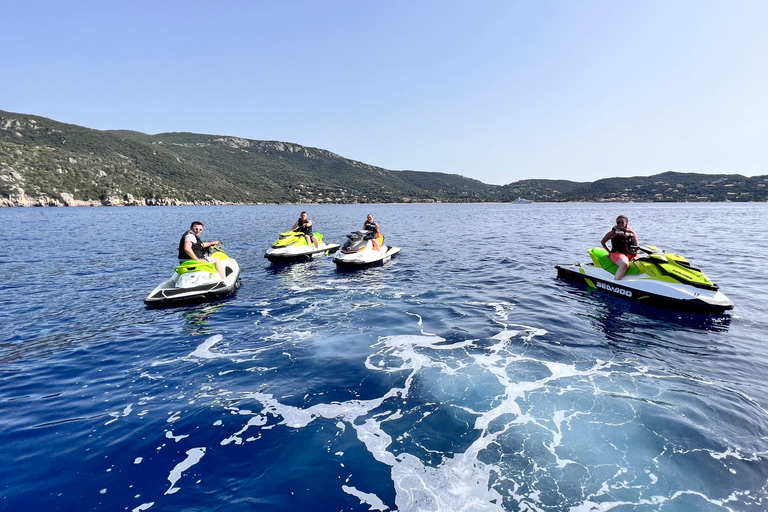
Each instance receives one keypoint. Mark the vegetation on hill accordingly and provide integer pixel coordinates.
(664, 187)
(45, 162)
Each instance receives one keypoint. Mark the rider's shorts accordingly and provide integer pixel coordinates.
(616, 257)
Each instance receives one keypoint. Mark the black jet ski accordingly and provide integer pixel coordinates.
(657, 278)
(364, 249)
(197, 281)
(292, 246)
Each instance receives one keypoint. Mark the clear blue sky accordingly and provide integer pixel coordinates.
(493, 90)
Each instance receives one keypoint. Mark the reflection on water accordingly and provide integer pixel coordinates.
(198, 316)
(622, 319)
(297, 275)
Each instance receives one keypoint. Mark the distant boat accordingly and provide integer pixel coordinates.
(520, 200)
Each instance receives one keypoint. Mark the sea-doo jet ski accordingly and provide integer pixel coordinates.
(658, 279)
(363, 249)
(197, 281)
(292, 246)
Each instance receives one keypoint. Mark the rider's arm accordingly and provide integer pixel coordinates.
(188, 250)
(605, 239)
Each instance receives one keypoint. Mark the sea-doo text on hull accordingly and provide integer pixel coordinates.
(292, 246)
(197, 281)
(363, 249)
(658, 279)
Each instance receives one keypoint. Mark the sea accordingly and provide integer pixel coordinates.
(461, 376)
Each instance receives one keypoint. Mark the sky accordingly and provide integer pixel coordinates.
(498, 91)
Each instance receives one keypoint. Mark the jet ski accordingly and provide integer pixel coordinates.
(363, 249)
(658, 278)
(292, 246)
(197, 281)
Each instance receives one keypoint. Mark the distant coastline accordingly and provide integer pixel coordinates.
(44, 202)
(48, 163)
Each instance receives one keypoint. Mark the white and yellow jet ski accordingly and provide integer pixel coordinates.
(197, 281)
(364, 249)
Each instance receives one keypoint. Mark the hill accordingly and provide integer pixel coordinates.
(45, 162)
(664, 187)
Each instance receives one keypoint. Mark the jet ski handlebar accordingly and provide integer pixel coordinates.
(646, 250)
(215, 248)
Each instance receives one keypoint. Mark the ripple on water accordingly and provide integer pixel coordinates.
(472, 380)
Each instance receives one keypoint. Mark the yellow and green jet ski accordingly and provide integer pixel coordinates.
(658, 278)
(292, 246)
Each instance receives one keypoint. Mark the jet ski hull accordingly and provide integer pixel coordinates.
(643, 289)
(195, 287)
(299, 253)
(368, 258)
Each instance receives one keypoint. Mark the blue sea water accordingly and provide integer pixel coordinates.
(463, 375)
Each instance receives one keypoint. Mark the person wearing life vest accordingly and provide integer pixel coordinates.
(374, 234)
(371, 226)
(191, 247)
(624, 242)
(304, 225)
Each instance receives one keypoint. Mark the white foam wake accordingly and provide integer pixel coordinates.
(459, 482)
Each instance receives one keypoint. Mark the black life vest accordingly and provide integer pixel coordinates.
(302, 226)
(197, 247)
(624, 244)
(371, 226)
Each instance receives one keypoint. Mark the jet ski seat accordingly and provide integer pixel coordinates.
(195, 266)
(377, 242)
(601, 258)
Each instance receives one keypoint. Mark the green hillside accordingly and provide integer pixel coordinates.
(42, 158)
(45, 162)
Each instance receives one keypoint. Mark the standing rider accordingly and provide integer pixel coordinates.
(304, 225)
(624, 244)
(191, 247)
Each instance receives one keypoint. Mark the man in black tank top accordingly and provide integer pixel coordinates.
(304, 225)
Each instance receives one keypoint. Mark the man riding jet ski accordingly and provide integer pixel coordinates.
(292, 246)
(657, 278)
(365, 248)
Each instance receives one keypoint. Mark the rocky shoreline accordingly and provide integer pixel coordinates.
(65, 199)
